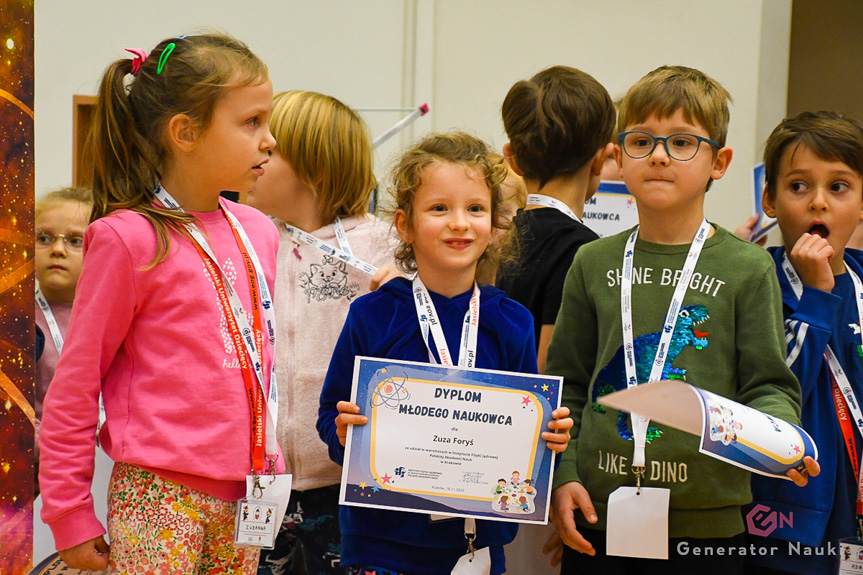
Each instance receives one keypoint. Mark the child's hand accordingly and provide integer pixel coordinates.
(558, 440)
(555, 547)
(564, 501)
(384, 274)
(90, 555)
(812, 469)
(348, 415)
(811, 257)
(744, 230)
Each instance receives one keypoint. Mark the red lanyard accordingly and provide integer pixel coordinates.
(847, 427)
(256, 396)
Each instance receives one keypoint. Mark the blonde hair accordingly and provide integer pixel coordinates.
(454, 148)
(670, 88)
(80, 195)
(185, 75)
(328, 146)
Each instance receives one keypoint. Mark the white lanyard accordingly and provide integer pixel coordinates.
(833, 364)
(240, 315)
(639, 422)
(53, 327)
(428, 319)
(549, 202)
(342, 253)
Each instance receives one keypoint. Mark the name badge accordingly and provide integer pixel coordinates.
(850, 556)
(637, 523)
(476, 563)
(256, 523)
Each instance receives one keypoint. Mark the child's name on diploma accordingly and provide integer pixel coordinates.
(729, 431)
(450, 441)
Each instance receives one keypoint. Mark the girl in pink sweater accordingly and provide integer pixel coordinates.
(172, 320)
(331, 251)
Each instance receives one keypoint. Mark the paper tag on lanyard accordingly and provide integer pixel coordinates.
(475, 561)
(850, 552)
(549, 202)
(239, 315)
(637, 522)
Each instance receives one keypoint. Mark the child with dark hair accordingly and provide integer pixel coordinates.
(814, 170)
(559, 125)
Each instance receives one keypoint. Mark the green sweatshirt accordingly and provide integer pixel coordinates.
(728, 340)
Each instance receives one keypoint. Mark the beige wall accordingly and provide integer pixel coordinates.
(460, 56)
(826, 70)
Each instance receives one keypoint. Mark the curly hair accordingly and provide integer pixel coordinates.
(454, 148)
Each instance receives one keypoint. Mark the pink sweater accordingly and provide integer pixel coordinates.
(155, 343)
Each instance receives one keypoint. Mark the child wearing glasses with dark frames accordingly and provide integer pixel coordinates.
(726, 337)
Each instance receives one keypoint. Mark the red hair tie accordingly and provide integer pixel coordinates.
(140, 58)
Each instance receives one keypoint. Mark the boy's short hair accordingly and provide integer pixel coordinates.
(556, 122)
(328, 145)
(670, 88)
(830, 136)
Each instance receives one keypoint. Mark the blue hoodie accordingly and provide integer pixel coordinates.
(384, 324)
(824, 511)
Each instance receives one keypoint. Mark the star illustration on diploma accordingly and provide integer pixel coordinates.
(525, 400)
(386, 478)
(544, 387)
(376, 488)
(363, 485)
(796, 448)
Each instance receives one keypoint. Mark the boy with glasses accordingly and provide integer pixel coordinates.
(720, 329)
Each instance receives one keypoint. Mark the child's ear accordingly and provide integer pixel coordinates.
(618, 156)
(768, 204)
(599, 158)
(510, 159)
(400, 221)
(721, 162)
(182, 133)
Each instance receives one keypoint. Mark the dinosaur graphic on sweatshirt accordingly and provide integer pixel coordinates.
(612, 377)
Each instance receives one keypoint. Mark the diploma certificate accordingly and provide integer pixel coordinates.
(450, 441)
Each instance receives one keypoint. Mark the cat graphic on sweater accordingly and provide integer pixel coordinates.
(329, 280)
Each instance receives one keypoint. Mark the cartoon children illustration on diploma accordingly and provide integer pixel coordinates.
(723, 426)
(514, 496)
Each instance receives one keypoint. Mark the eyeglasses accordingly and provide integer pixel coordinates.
(680, 147)
(45, 239)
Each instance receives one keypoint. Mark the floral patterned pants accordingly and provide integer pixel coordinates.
(158, 526)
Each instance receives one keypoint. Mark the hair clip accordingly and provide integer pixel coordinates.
(164, 57)
(140, 58)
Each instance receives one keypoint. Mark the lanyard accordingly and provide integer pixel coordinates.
(640, 422)
(342, 253)
(428, 319)
(53, 327)
(843, 396)
(549, 202)
(251, 363)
